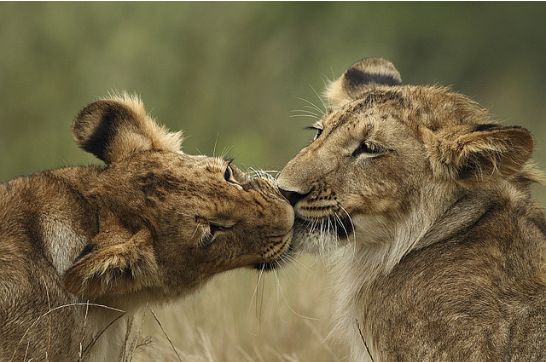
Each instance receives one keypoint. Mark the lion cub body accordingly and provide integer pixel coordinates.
(440, 251)
(80, 246)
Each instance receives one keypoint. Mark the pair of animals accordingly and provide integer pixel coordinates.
(423, 200)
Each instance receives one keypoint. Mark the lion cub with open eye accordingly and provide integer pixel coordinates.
(152, 225)
(442, 252)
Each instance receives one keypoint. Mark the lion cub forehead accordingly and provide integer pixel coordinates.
(356, 119)
(432, 107)
(214, 163)
(204, 162)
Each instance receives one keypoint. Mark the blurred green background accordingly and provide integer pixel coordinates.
(232, 75)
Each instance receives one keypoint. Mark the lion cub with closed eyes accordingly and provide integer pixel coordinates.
(152, 225)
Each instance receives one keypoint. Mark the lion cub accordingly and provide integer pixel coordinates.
(441, 251)
(152, 225)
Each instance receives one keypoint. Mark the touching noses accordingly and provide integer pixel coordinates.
(292, 196)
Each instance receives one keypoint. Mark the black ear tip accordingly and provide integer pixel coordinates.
(98, 124)
(372, 70)
(361, 77)
(356, 77)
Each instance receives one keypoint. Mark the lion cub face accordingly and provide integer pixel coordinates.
(386, 151)
(167, 220)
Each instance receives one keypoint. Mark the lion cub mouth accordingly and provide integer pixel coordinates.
(316, 212)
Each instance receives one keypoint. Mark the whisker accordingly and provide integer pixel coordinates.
(260, 306)
(350, 220)
(279, 289)
(313, 105)
(340, 222)
(278, 293)
(323, 233)
(264, 174)
(226, 151)
(255, 293)
(215, 144)
(333, 227)
(312, 225)
(304, 115)
(294, 264)
(320, 98)
(352, 226)
(306, 111)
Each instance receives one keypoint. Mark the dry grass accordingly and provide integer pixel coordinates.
(244, 316)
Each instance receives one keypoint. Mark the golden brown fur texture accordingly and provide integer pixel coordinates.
(440, 251)
(151, 226)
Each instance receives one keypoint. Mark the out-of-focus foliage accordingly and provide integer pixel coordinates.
(232, 74)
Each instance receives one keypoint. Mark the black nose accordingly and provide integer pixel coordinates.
(292, 196)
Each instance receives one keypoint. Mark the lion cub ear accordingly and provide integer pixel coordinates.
(484, 154)
(113, 129)
(114, 263)
(359, 78)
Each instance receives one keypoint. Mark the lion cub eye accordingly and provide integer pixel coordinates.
(368, 148)
(214, 229)
(228, 176)
(318, 129)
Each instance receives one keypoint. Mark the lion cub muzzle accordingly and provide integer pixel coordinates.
(319, 208)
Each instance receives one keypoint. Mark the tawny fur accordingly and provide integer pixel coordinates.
(81, 246)
(424, 202)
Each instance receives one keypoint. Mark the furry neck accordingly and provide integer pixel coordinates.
(376, 251)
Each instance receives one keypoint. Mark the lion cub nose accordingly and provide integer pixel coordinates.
(292, 196)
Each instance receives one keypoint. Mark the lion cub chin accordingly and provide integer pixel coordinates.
(441, 253)
(152, 225)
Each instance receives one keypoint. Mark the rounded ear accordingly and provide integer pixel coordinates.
(114, 263)
(359, 78)
(484, 154)
(113, 129)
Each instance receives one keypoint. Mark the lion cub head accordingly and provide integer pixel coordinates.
(167, 221)
(390, 158)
